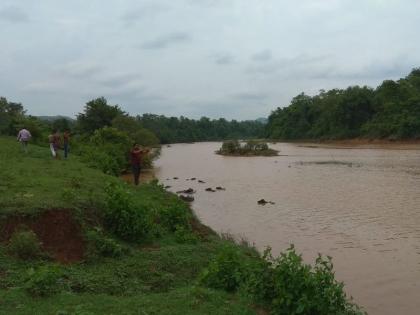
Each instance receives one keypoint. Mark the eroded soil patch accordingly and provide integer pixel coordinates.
(60, 234)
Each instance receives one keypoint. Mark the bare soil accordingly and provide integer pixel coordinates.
(60, 234)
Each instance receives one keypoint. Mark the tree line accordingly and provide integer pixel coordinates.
(391, 111)
(102, 133)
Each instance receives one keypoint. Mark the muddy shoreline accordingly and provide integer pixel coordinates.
(412, 144)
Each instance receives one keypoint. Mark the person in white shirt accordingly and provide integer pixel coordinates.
(23, 137)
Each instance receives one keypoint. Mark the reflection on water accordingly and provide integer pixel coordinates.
(361, 206)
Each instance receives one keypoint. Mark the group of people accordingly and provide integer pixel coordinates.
(57, 142)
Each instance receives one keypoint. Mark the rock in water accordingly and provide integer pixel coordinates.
(210, 189)
(186, 191)
(201, 182)
(262, 202)
(220, 188)
(187, 198)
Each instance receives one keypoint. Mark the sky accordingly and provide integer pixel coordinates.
(238, 59)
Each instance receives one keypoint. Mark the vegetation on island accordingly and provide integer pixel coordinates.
(249, 148)
(391, 111)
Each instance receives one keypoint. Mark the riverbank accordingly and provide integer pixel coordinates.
(77, 241)
(85, 269)
(412, 144)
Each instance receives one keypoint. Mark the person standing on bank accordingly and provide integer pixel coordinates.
(23, 137)
(54, 140)
(66, 142)
(136, 155)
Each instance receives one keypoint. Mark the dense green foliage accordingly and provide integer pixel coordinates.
(123, 216)
(44, 281)
(97, 114)
(173, 129)
(392, 111)
(250, 148)
(285, 284)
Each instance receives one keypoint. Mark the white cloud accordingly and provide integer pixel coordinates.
(232, 58)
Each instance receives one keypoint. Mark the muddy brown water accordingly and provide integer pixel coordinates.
(359, 205)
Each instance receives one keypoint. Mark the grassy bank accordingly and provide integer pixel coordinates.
(76, 241)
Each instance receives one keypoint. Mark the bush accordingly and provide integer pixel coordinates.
(123, 217)
(45, 281)
(173, 216)
(251, 147)
(107, 150)
(285, 284)
(185, 235)
(102, 245)
(225, 271)
(25, 244)
(297, 288)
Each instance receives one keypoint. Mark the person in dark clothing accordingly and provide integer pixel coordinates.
(66, 142)
(136, 155)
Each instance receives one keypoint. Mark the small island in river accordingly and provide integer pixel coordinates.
(250, 148)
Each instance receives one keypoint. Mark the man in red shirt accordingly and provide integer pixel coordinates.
(136, 155)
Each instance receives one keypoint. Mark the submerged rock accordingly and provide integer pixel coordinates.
(167, 187)
(210, 189)
(201, 182)
(262, 202)
(175, 177)
(220, 188)
(193, 178)
(187, 198)
(186, 191)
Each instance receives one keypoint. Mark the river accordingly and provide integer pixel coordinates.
(359, 205)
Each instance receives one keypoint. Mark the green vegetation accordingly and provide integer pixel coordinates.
(175, 130)
(24, 244)
(144, 252)
(390, 111)
(250, 148)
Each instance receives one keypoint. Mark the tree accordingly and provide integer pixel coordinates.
(97, 114)
(10, 114)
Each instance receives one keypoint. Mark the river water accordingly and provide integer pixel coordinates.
(361, 206)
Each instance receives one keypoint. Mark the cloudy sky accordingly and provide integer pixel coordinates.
(218, 58)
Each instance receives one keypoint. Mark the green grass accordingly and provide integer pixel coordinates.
(34, 181)
(182, 301)
(157, 276)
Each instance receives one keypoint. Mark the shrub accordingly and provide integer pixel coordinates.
(225, 271)
(251, 147)
(285, 284)
(173, 216)
(25, 244)
(185, 235)
(298, 288)
(107, 150)
(45, 281)
(103, 246)
(123, 217)
(231, 146)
